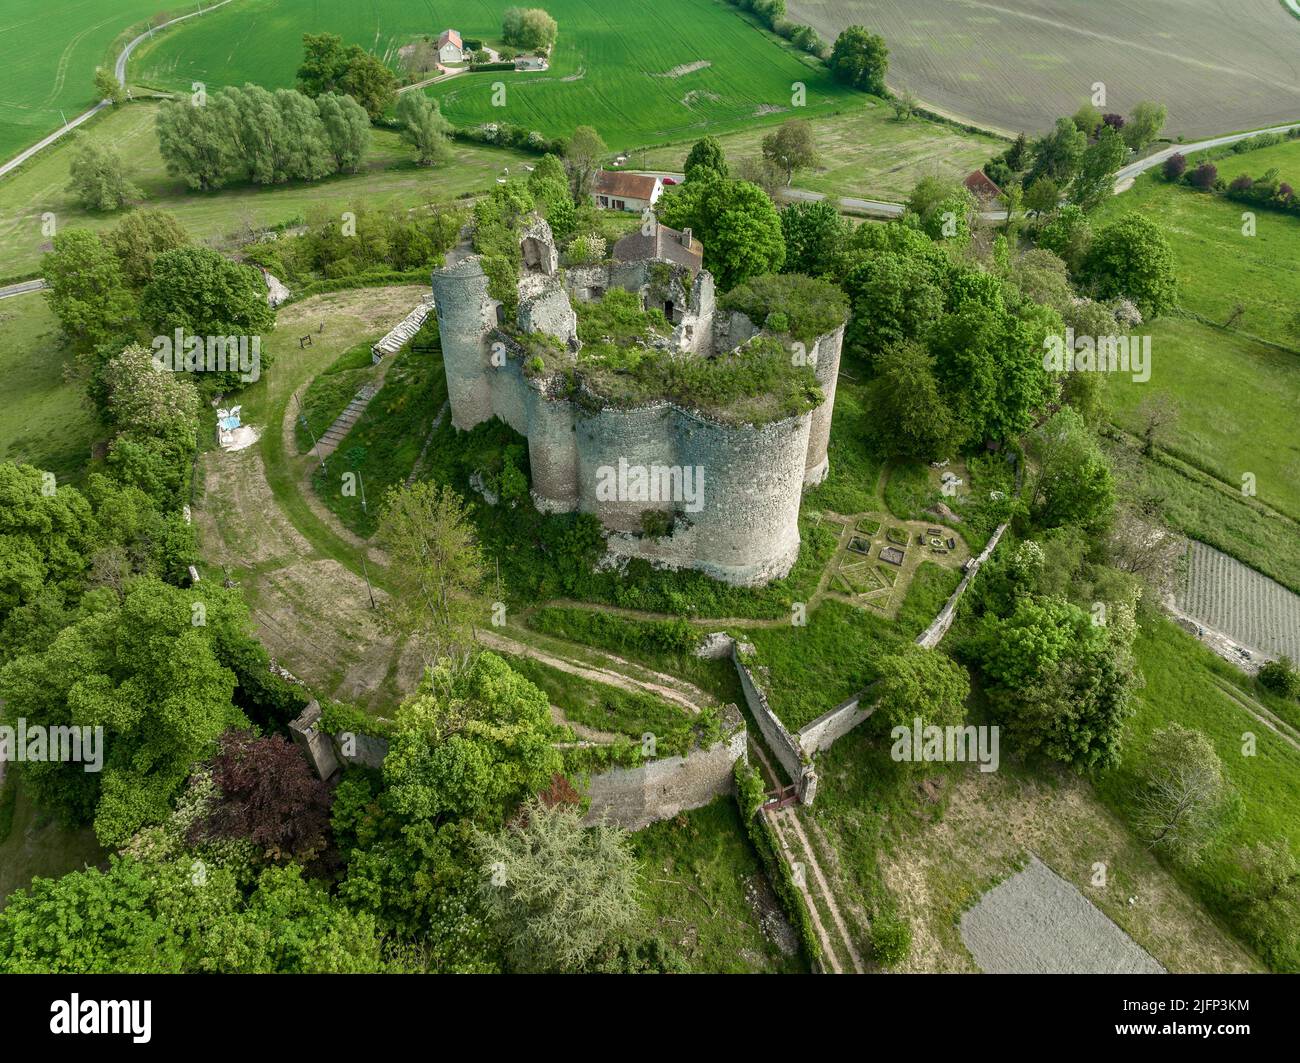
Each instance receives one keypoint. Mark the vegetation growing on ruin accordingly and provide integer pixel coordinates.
(801, 307)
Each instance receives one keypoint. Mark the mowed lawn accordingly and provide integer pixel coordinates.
(620, 67)
(1239, 405)
(46, 424)
(49, 50)
(862, 151)
(389, 178)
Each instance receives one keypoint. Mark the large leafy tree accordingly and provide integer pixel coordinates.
(328, 67)
(45, 536)
(422, 125)
(201, 291)
(1095, 180)
(347, 130)
(737, 223)
(1183, 794)
(861, 59)
(1131, 257)
(791, 147)
(1074, 484)
(1057, 154)
(145, 669)
(706, 154)
(198, 144)
(473, 742)
(87, 290)
(98, 179)
(140, 238)
(178, 916)
(583, 154)
(910, 418)
(814, 234)
(560, 891)
(917, 683)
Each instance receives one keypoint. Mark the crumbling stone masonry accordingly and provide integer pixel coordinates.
(746, 529)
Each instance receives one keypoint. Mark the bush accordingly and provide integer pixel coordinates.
(1175, 166)
(891, 939)
(1280, 677)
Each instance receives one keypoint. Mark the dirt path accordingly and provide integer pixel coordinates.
(663, 690)
(801, 857)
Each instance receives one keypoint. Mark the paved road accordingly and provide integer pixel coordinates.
(1124, 178)
(119, 71)
(22, 288)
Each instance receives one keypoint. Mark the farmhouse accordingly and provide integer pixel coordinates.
(450, 47)
(617, 190)
(982, 187)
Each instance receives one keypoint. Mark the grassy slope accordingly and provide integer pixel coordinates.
(617, 49)
(1285, 157)
(45, 422)
(49, 50)
(863, 152)
(1219, 268)
(389, 178)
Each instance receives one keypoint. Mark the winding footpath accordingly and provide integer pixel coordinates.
(119, 72)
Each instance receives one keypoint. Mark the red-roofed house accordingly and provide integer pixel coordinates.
(983, 187)
(450, 47)
(619, 190)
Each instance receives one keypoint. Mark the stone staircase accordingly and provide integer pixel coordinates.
(337, 432)
(402, 332)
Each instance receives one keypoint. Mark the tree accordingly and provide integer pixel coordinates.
(346, 128)
(1058, 154)
(560, 891)
(908, 413)
(814, 234)
(44, 538)
(471, 743)
(423, 126)
(860, 59)
(1280, 677)
(530, 28)
(1204, 176)
(1131, 257)
(1087, 119)
(1074, 484)
(1059, 683)
(1068, 235)
(791, 146)
(98, 179)
(706, 154)
(918, 683)
(1095, 181)
(1043, 196)
(1017, 156)
(1144, 125)
(86, 289)
(368, 81)
(944, 208)
(436, 558)
(144, 671)
(1156, 414)
(583, 155)
(737, 223)
(895, 297)
(107, 87)
(323, 63)
(1183, 796)
(143, 916)
(1175, 166)
(904, 105)
(197, 144)
(268, 795)
(202, 292)
(139, 239)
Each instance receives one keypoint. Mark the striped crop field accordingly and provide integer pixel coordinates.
(1224, 594)
(641, 73)
(1020, 64)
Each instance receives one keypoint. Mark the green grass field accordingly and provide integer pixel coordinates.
(1285, 157)
(1237, 406)
(45, 424)
(389, 178)
(863, 152)
(49, 50)
(615, 67)
(1218, 267)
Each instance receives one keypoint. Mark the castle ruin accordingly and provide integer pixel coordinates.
(675, 481)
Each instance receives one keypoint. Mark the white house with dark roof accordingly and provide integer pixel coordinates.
(619, 190)
(450, 47)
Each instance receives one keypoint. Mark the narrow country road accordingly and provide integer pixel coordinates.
(119, 71)
(22, 288)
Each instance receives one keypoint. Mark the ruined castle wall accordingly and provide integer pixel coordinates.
(553, 452)
(826, 367)
(465, 314)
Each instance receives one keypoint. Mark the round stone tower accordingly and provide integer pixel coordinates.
(827, 370)
(465, 314)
